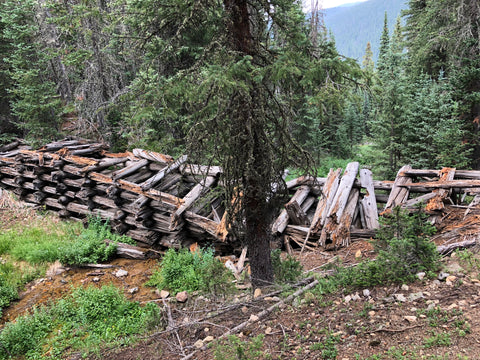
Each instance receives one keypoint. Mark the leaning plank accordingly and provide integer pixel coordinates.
(412, 203)
(153, 156)
(151, 182)
(190, 198)
(205, 224)
(342, 195)
(337, 233)
(326, 199)
(282, 221)
(296, 214)
(369, 202)
(202, 170)
(399, 193)
(126, 171)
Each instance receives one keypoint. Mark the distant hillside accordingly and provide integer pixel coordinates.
(353, 26)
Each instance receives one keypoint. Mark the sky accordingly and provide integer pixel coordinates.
(328, 3)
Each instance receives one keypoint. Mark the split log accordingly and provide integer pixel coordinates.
(343, 193)
(282, 221)
(126, 171)
(153, 156)
(132, 252)
(201, 170)
(151, 182)
(326, 199)
(296, 214)
(190, 198)
(399, 193)
(369, 202)
(337, 233)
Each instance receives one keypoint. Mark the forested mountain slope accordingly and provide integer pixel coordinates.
(355, 25)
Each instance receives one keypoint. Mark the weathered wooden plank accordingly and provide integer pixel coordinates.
(282, 221)
(190, 198)
(126, 171)
(369, 202)
(343, 192)
(154, 180)
(153, 156)
(326, 199)
(399, 193)
(201, 170)
(296, 214)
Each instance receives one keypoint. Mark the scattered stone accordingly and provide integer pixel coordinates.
(347, 299)
(452, 306)
(163, 294)
(358, 254)
(244, 309)
(208, 339)
(410, 318)
(253, 318)
(366, 292)
(121, 273)
(63, 281)
(96, 279)
(405, 287)
(268, 330)
(198, 344)
(257, 293)
(182, 296)
(400, 297)
(415, 296)
(421, 275)
(443, 275)
(338, 333)
(356, 297)
(451, 279)
(133, 290)
(371, 313)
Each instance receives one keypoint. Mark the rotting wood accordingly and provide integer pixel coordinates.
(132, 168)
(154, 180)
(369, 202)
(343, 192)
(282, 221)
(436, 203)
(190, 198)
(399, 193)
(326, 199)
(153, 156)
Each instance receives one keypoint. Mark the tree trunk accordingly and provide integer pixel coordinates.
(256, 208)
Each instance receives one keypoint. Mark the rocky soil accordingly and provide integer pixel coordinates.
(433, 318)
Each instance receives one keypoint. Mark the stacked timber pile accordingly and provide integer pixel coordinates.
(330, 212)
(166, 202)
(148, 196)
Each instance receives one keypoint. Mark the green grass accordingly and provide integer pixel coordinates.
(81, 322)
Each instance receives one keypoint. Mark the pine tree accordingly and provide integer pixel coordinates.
(367, 62)
(384, 45)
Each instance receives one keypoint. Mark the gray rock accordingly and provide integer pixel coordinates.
(443, 275)
(400, 297)
(121, 273)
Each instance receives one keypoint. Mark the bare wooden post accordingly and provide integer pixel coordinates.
(399, 194)
(369, 203)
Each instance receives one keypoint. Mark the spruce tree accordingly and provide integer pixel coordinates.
(367, 62)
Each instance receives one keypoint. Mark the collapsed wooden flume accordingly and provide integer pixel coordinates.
(164, 202)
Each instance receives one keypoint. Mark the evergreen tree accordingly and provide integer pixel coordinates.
(34, 100)
(367, 62)
(384, 45)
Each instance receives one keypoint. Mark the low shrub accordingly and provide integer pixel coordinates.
(234, 348)
(286, 270)
(192, 271)
(89, 246)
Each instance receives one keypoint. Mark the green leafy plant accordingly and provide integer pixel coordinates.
(83, 320)
(90, 246)
(192, 271)
(234, 348)
(286, 270)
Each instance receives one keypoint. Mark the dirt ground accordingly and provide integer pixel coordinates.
(429, 319)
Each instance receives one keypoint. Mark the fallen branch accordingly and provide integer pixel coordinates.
(261, 315)
(447, 249)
